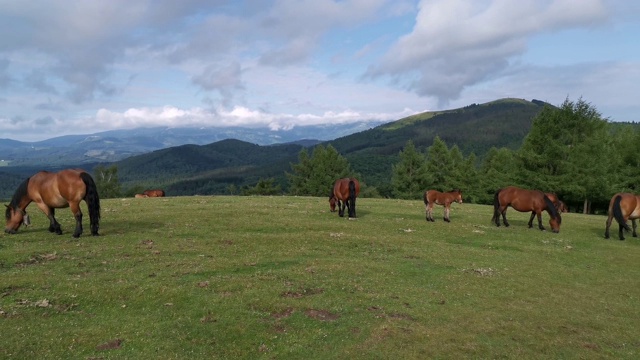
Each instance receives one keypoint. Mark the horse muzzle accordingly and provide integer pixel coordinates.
(10, 231)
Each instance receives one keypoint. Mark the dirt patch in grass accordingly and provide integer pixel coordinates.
(322, 315)
(283, 314)
(37, 259)
(110, 345)
(301, 293)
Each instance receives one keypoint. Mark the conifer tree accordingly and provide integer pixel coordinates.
(409, 176)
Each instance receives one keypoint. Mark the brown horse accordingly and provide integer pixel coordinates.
(154, 193)
(436, 197)
(55, 190)
(344, 194)
(560, 206)
(524, 201)
(622, 207)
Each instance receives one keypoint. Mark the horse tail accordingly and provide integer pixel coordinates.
(496, 205)
(352, 191)
(426, 198)
(617, 213)
(93, 202)
(551, 209)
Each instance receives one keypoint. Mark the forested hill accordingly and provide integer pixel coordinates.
(213, 168)
(474, 128)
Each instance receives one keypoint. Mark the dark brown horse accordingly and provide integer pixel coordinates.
(622, 207)
(560, 206)
(524, 200)
(154, 193)
(55, 190)
(435, 197)
(345, 192)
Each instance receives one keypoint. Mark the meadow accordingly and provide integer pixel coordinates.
(230, 277)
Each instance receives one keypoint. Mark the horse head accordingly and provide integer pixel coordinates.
(555, 219)
(555, 222)
(333, 201)
(15, 217)
(458, 196)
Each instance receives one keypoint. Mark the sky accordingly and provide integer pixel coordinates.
(81, 67)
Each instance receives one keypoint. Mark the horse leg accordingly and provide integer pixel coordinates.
(608, 224)
(341, 208)
(504, 217)
(77, 214)
(533, 214)
(633, 225)
(430, 212)
(540, 222)
(54, 225)
(446, 213)
(620, 232)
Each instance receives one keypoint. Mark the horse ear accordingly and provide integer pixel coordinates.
(8, 207)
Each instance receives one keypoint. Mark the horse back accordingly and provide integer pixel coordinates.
(629, 205)
(522, 200)
(341, 188)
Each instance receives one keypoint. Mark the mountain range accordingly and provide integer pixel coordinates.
(186, 162)
(115, 145)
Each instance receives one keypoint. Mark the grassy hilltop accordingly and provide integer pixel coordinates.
(282, 277)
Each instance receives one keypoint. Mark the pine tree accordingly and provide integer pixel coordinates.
(314, 175)
(409, 176)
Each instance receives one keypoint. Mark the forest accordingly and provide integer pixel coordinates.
(568, 149)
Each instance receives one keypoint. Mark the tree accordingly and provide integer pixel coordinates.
(107, 182)
(567, 152)
(499, 169)
(314, 175)
(439, 165)
(409, 176)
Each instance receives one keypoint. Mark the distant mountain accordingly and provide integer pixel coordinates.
(214, 168)
(110, 146)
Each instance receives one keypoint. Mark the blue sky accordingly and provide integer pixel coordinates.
(79, 67)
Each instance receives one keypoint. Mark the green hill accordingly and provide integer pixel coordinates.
(211, 169)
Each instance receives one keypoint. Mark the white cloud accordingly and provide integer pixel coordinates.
(457, 43)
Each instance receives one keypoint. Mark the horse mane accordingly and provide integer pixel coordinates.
(551, 209)
(20, 192)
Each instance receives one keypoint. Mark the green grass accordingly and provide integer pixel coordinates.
(226, 277)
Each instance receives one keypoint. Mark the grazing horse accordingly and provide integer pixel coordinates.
(154, 193)
(524, 200)
(432, 197)
(622, 207)
(55, 190)
(344, 195)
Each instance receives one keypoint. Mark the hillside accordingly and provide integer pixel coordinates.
(474, 128)
(207, 169)
(211, 169)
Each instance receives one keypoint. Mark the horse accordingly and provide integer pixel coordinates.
(622, 207)
(344, 194)
(55, 190)
(524, 200)
(154, 193)
(445, 199)
(562, 207)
